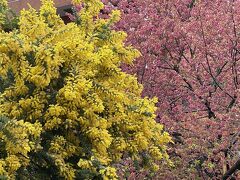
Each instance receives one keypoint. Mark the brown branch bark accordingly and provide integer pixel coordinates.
(232, 170)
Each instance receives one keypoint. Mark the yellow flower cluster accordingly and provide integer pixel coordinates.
(18, 139)
(3, 8)
(68, 98)
(109, 173)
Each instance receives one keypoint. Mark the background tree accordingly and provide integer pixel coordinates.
(68, 111)
(190, 61)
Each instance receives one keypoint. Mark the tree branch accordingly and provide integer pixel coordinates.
(232, 170)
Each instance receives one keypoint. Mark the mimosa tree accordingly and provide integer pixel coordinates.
(67, 109)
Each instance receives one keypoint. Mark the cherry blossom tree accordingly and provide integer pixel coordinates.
(190, 61)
